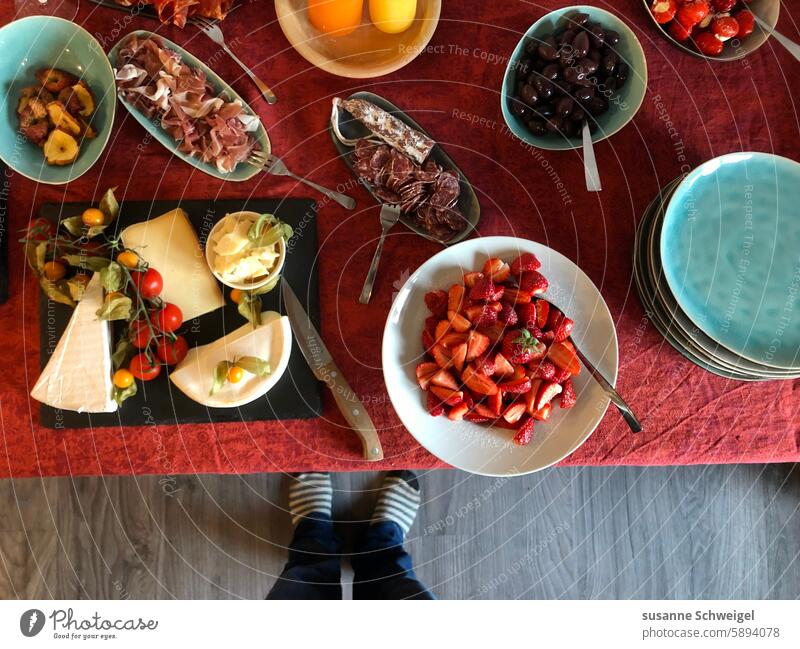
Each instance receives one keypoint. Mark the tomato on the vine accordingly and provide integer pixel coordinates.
(169, 318)
(140, 334)
(172, 352)
(149, 283)
(142, 368)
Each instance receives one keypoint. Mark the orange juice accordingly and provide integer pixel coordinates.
(337, 17)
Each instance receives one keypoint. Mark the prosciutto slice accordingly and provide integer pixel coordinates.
(177, 11)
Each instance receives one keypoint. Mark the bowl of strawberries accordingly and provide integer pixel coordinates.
(720, 30)
(479, 356)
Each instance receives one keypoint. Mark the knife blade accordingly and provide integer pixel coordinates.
(325, 369)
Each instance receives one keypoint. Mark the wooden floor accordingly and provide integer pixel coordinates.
(688, 532)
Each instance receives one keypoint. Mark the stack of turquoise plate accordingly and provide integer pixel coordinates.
(717, 266)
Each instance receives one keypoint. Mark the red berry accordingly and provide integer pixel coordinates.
(525, 433)
(692, 12)
(533, 282)
(525, 262)
(746, 23)
(678, 31)
(140, 334)
(708, 44)
(663, 10)
(519, 346)
(435, 406)
(568, 396)
(483, 290)
(436, 301)
(487, 318)
(725, 26)
(721, 6)
(545, 370)
(508, 315)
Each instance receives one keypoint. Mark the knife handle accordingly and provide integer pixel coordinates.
(353, 411)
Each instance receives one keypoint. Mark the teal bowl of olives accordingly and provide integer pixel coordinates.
(574, 66)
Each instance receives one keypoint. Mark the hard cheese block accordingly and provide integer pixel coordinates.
(170, 245)
(78, 374)
(272, 342)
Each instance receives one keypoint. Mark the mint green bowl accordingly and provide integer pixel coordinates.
(624, 103)
(49, 42)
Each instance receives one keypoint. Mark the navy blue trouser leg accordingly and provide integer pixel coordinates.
(313, 570)
(382, 568)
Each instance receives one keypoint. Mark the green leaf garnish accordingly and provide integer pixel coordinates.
(74, 225)
(109, 206)
(56, 291)
(220, 376)
(120, 394)
(118, 308)
(121, 352)
(254, 365)
(268, 230)
(76, 287)
(250, 308)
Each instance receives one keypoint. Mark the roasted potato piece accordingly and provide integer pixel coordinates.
(87, 131)
(55, 80)
(70, 101)
(60, 148)
(60, 118)
(32, 127)
(84, 97)
(23, 102)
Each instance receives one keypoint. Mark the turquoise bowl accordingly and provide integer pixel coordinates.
(730, 249)
(624, 103)
(243, 171)
(43, 42)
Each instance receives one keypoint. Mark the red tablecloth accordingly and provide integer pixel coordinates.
(693, 111)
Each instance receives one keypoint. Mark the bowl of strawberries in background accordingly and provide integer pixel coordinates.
(718, 30)
(480, 363)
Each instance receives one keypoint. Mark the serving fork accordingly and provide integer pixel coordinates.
(212, 30)
(274, 165)
(390, 215)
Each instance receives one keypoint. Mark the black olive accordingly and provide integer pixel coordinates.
(529, 95)
(578, 114)
(566, 37)
(584, 95)
(564, 106)
(578, 18)
(597, 105)
(588, 66)
(546, 110)
(554, 124)
(531, 47)
(548, 52)
(621, 73)
(543, 88)
(612, 37)
(580, 45)
(610, 60)
(571, 128)
(519, 109)
(597, 36)
(571, 74)
(551, 71)
(536, 126)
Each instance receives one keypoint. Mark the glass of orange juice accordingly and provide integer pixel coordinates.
(336, 17)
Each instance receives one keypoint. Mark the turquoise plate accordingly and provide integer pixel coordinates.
(38, 42)
(730, 247)
(243, 171)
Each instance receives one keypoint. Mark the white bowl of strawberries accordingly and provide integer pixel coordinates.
(719, 30)
(481, 366)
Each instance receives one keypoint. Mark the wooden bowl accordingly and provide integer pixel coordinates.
(364, 53)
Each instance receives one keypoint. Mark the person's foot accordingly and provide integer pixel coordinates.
(310, 493)
(399, 500)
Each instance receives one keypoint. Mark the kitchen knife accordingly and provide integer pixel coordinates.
(325, 369)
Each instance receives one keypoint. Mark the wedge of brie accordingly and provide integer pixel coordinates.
(272, 342)
(78, 374)
(170, 245)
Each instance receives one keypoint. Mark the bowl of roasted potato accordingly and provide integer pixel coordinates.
(57, 101)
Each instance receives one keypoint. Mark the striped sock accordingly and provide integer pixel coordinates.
(399, 499)
(310, 492)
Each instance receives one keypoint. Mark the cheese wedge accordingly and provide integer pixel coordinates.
(78, 374)
(272, 341)
(170, 245)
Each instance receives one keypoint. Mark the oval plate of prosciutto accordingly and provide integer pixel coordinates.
(399, 163)
(186, 106)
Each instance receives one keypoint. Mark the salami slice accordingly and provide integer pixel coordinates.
(386, 195)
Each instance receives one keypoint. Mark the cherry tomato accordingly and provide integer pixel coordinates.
(708, 44)
(149, 283)
(123, 379)
(129, 259)
(54, 270)
(41, 230)
(725, 27)
(172, 352)
(235, 374)
(139, 334)
(746, 23)
(143, 369)
(721, 6)
(692, 12)
(678, 31)
(663, 10)
(237, 295)
(169, 318)
(93, 216)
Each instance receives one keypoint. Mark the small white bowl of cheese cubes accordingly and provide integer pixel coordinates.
(241, 260)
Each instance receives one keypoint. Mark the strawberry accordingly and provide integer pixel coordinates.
(482, 315)
(455, 298)
(525, 433)
(458, 322)
(547, 391)
(545, 370)
(502, 366)
(516, 386)
(495, 403)
(533, 282)
(519, 346)
(436, 301)
(562, 329)
(553, 318)
(518, 373)
(544, 413)
(448, 397)
(442, 357)
(484, 410)
(568, 396)
(495, 333)
(444, 379)
(483, 291)
(499, 292)
(527, 315)
(485, 365)
(530, 397)
(516, 296)
(477, 343)
(471, 278)
(453, 339)
(477, 382)
(427, 340)
(507, 315)
(514, 412)
(425, 372)
(564, 356)
(496, 269)
(547, 337)
(497, 307)
(525, 262)
(435, 406)
(473, 312)
(441, 330)
(560, 375)
(431, 322)
(475, 418)
(459, 356)
(458, 412)
(542, 313)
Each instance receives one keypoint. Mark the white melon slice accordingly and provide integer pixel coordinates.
(272, 341)
(78, 374)
(170, 245)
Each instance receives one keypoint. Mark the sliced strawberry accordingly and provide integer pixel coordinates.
(553, 318)
(473, 312)
(530, 397)
(520, 347)
(547, 337)
(458, 322)
(544, 370)
(525, 433)
(435, 406)
(499, 292)
(447, 396)
(508, 315)
(430, 323)
(459, 356)
(483, 290)
(516, 296)
(521, 385)
(495, 403)
(478, 382)
(436, 301)
(427, 340)
(484, 411)
(425, 372)
(455, 298)
(496, 269)
(502, 366)
(453, 339)
(475, 418)
(477, 343)
(542, 313)
(533, 282)
(525, 262)
(444, 379)
(514, 412)
(547, 391)
(497, 307)
(564, 356)
(527, 315)
(471, 278)
(495, 333)
(441, 330)
(458, 412)
(519, 373)
(568, 396)
(561, 375)
(563, 329)
(544, 413)
(484, 364)
(442, 356)
(487, 318)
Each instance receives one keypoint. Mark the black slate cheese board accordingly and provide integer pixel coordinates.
(298, 395)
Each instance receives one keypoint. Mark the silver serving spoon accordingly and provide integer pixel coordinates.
(590, 162)
(794, 48)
